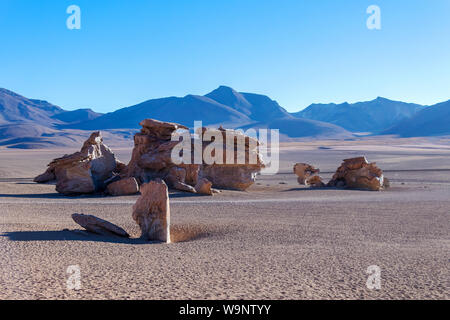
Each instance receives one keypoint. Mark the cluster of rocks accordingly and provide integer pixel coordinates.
(308, 175)
(96, 169)
(355, 173)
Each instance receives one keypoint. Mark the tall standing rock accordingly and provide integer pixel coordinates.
(152, 211)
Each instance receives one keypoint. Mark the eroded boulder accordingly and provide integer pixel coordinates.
(123, 187)
(204, 186)
(85, 171)
(99, 226)
(152, 211)
(152, 157)
(358, 173)
(308, 175)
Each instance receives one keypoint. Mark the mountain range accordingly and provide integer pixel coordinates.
(30, 123)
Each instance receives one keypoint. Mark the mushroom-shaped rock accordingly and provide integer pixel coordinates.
(152, 211)
(99, 226)
(127, 186)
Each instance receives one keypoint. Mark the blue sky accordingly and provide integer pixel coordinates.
(298, 52)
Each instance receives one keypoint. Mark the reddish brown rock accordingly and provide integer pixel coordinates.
(76, 178)
(99, 226)
(152, 158)
(358, 173)
(204, 186)
(152, 211)
(315, 181)
(85, 171)
(123, 187)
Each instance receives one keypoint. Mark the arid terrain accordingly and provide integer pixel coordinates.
(278, 240)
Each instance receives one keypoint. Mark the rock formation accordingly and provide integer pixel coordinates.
(152, 211)
(308, 175)
(358, 173)
(123, 187)
(85, 171)
(355, 173)
(99, 226)
(152, 158)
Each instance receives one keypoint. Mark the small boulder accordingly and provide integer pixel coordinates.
(99, 226)
(315, 181)
(204, 186)
(127, 186)
(152, 211)
(307, 175)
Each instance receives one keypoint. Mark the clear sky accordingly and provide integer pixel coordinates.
(296, 51)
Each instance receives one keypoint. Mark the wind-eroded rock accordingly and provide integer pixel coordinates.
(99, 226)
(355, 173)
(358, 173)
(123, 187)
(85, 171)
(152, 211)
(152, 157)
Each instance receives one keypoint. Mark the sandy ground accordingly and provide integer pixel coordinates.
(276, 241)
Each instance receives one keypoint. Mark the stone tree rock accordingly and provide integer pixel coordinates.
(358, 173)
(152, 158)
(99, 226)
(308, 175)
(152, 211)
(85, 171)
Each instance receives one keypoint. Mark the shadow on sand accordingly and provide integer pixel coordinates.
(51, 196)
(69, 235)
(178, 233)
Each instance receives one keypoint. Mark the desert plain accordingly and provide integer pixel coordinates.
(277, 240)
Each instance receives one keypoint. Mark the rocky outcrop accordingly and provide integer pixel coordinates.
(123, 187)
(99, 226)
(308, 175)
(85, 171)
(152, 158)
(152, 211)
(358, 173)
